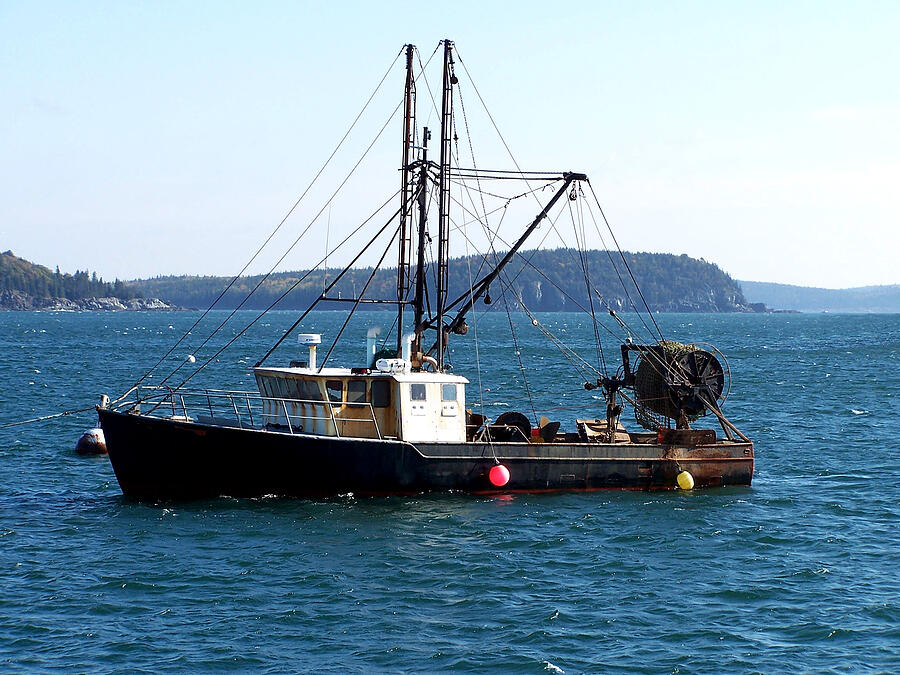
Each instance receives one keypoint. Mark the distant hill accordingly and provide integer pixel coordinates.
(670, 283)
(873, 299)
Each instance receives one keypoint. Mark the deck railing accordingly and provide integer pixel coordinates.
(245, 410)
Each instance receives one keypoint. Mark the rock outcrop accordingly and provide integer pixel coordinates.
(17, 300)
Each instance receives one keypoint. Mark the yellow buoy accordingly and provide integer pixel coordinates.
(685, 481)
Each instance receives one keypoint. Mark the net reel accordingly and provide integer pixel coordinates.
(675, 381)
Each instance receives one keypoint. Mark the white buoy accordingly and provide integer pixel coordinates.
(190, 358)
(92, 442)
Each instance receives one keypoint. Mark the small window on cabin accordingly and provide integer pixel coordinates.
(356, 391)
(417, 392)
(448, 392)
(381, 393)
(335, 389)
(309, 390)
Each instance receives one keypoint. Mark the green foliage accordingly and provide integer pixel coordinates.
(17, 274)
(546, 280)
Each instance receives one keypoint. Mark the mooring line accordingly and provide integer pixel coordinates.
(46, 417)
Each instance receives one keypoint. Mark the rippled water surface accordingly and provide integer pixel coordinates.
(796, 574)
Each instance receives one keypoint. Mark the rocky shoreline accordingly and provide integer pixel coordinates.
(17, 300)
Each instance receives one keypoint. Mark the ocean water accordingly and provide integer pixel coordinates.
(798, 573)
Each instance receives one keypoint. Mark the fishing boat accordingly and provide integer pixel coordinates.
(399, 420)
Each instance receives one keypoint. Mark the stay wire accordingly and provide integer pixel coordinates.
(513, 198)
(279, 226)
(474, 217)
(506, 145)
(528, 262)
(234, 339)
(291, 247)
(615, 268)
(573, 357)
(581, 241)
(502, 139)
(494, 123)
(359, 297)
(655, 362)
(399, 105)
(279, 299)
(425, 79)
(333, 282)
(485, 226)
(477, 351)
(624, 260)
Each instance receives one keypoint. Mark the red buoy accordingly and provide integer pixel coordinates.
(498, 475)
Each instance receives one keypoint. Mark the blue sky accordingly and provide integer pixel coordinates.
(140, 139)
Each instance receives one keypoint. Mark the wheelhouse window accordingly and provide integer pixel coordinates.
(381, 393)
(417, 392)
(335, 389)
(356, 391)
(448, 392)
(309, 390)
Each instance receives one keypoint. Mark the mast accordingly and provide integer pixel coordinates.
(406, 194)
(444, 199)
(419, 298)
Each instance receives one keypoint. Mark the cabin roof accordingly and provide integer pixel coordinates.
(315, 373)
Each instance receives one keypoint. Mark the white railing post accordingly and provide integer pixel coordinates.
(374, 421)
(333, 420)
(286, 416)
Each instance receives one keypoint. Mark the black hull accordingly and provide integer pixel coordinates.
(156, 458)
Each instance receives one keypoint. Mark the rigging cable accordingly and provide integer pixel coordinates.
(624, 260)
(502, 139)
(248, 326)
(425, 79)
(581, 241)
(282, 296)
(278, 227)
(539, 271)
(47, 417)
(615, 268)
(491, 118)
(330, 285)
(573, 357)
(486, 228)
(490, 439)
(292, 246)
(359, 297)
(327, 204)
(519, 170)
